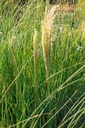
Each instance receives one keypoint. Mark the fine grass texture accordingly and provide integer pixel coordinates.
(42, 65)
(47, 28)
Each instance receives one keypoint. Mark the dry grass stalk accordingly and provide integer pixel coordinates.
(47, 28)
(35, 46)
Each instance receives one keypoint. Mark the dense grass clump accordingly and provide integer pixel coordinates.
(42, 66)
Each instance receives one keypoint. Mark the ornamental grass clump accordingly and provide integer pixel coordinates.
(47, 28)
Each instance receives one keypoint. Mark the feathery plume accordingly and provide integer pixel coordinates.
(47, 28)
(35, 46)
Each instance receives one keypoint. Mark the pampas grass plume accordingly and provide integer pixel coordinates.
(47, 28)
(35, 46)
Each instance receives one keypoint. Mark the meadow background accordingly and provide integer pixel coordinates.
(42, 65)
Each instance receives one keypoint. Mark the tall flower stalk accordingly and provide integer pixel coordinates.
(35, 46)
(47, 27)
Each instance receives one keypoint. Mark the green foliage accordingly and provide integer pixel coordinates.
(26, 102)
(81, 5)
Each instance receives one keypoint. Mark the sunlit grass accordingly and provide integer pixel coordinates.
(25, 99)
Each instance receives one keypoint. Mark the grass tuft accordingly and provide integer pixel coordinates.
(23, 28)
